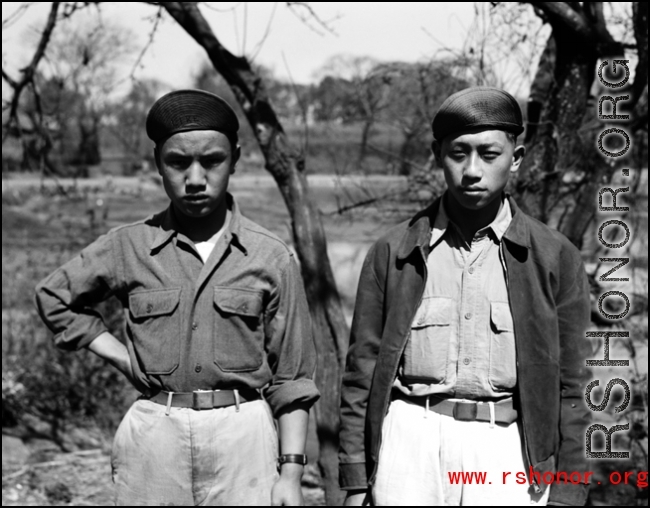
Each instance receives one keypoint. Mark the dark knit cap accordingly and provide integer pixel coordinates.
(191, 110)
(479, 106)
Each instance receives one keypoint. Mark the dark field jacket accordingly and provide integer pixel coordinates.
(549, 299)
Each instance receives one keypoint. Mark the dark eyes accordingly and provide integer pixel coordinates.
(183, 162)
(491, 155)
(488, 155)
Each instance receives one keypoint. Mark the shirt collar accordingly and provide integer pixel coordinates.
(170, 228)
(498, 226)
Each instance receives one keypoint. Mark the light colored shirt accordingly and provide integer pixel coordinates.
(461, 343)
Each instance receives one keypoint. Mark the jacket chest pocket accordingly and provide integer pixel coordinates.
(239, 331)
(155, 325)
(425, 355)
(503, 359)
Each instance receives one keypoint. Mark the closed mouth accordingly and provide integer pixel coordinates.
(196, 197)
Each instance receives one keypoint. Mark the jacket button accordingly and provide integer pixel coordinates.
(198, 368)
(195, 326)
(468, 315)
(467, 361)
(149, 308)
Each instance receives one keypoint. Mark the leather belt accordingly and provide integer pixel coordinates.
(465, 411)
(206, 399)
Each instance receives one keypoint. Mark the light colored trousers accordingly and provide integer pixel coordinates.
(420, 448)
(216, 457)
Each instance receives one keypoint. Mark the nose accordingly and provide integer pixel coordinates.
(195, 177)
(473, 169)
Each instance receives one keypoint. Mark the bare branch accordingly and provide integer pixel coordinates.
(70, 8)
(12, 83)
(364, 203)
(267, 31)
(16, 15)
(216, 9)
(152, 34)
(310, 16)
(560, 13)
(29, 71)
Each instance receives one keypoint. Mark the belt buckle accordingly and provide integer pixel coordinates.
(202, 399)
(465, 411)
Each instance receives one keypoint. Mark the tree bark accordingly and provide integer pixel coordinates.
(562, 171)
(286, 165)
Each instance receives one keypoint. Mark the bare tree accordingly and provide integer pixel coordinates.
(364, 92)
(562, 171)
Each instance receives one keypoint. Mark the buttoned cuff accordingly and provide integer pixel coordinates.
(568, 495)
(353, 476)
(300, 391)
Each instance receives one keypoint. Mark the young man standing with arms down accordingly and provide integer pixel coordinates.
(216, 314)
(468, 349)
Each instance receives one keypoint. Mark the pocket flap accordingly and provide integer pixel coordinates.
(501, 316)
(157, 302)
(241, 301)
(434, 310)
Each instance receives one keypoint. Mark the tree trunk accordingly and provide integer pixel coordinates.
(556, 149)
(365, 136)
(286, 165)
(562, 171)
(88, 153)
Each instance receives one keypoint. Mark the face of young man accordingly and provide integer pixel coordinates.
(195, 167)
(477, 165)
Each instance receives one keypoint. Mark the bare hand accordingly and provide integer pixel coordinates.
(106, 346)
(287, 492)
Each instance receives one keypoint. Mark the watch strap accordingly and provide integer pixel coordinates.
(292, 458)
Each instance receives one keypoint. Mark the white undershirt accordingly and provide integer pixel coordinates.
(206, 248)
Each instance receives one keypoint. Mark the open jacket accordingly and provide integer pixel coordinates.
(549, 299)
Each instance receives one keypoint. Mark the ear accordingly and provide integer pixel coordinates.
(436, 148)
(517, 158)
(235, 157)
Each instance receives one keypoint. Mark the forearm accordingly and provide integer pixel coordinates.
(293, 423)
(109, 348)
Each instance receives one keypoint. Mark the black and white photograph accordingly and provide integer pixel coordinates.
(324, 254)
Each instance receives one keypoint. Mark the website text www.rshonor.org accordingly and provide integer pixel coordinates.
(639, 479)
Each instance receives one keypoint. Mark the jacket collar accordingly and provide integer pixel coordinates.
(169, 227)
(518, 232)
(418, 233)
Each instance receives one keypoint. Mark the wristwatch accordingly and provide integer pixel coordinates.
(292, 458)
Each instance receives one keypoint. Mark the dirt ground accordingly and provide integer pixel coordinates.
(52, 478)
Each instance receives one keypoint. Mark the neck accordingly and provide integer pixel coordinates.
(470, 221)
(201, 229)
